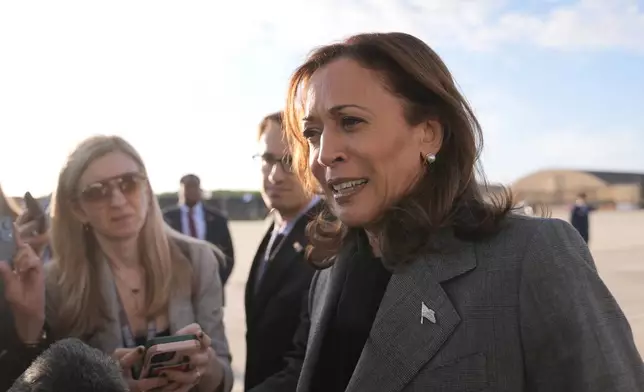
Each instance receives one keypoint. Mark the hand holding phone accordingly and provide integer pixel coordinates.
(129, 359)
(205, 370)
(24, 288)
(35, 213)
(168, 353)
(32, 224)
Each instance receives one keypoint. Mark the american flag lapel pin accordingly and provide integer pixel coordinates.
(297, 246)
(427, 314)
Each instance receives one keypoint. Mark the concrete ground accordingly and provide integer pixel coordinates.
(617, 244)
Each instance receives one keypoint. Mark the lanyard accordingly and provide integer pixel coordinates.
(128, 337)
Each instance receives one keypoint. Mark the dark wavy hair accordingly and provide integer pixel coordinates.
(448, 196)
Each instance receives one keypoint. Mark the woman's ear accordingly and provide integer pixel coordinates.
(431, 139)
(78, 213)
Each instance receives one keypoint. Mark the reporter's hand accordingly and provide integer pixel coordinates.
(128, 358)
(205, 371)
(25, 290)
(29, 231)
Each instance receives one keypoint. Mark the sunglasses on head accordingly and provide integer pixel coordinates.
(100, 191)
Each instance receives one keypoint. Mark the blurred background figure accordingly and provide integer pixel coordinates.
(279, 278)
(12, 362)
(194, 218)
(580, 216)
(71, 365)
(9, 363)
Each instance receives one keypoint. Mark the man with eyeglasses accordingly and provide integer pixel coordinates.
(279, 279)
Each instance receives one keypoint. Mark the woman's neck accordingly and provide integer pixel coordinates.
(374, 243)
(120, 254)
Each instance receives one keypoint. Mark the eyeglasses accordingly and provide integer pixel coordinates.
(269, 161)
(128, 184)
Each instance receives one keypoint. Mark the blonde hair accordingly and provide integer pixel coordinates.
(76, 266)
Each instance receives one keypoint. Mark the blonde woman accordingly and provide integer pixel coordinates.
(120, 275)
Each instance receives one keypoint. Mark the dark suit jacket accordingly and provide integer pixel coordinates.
(580, 220)
(522, 311)
(217, 233)
(273, 309)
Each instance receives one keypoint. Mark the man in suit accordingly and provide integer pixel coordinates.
(279, 279)
(193, 218)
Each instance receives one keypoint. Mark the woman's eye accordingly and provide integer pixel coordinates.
(350, 122)
(310, 133)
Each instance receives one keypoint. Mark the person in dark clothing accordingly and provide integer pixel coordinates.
(580, 216)
(194, 218)
(279, 278)
(424, 284)
(71, 365)
(11, 363)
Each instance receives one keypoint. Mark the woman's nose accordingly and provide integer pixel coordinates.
(331, 149)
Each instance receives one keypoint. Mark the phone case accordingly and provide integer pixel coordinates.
(169, 339)
(7, 242)
(168, 356)
(36, 212)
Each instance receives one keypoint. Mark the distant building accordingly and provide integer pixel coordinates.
(556, 187)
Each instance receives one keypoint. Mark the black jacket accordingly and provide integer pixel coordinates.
(273, 308)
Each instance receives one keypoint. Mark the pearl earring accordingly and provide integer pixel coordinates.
(430, 158)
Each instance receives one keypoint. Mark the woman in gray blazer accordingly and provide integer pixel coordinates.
(425, 285)
(120, 275)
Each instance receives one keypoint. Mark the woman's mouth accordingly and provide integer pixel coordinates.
(343, 189)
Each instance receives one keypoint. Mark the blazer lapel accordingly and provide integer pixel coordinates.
(110, 337)
(180, 312)
(276, 268)
(400, 342)
(173, 218)
(327, 291)
(251, 289)
(209, 220)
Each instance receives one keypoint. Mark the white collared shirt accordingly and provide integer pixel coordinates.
(286, 229)
(199, 216)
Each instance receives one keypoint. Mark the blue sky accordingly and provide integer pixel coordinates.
(556, 84)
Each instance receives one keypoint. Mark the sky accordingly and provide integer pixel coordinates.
(555, 84)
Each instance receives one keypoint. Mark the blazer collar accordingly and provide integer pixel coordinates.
(391, 356)
(110, 337)
(290, 252)
(398, 333)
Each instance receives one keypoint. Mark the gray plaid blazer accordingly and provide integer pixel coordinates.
(523, 311)
(204, 307)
